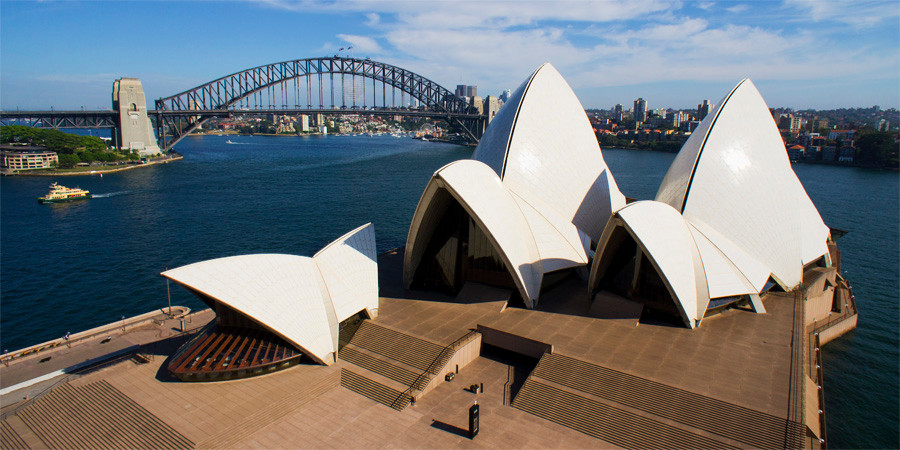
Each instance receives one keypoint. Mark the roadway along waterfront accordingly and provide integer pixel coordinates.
(71, 267)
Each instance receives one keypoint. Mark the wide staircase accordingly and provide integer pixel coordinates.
(96, 415)
(388, 366)
(632, 412)
(9, 438)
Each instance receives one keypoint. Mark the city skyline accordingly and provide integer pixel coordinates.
(801, 54)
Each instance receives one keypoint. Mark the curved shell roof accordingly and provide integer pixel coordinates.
(299, 298)
(733, 182)
(666, 241)
(350, 270)
(478, 189)
(543, 147)
(537, 185)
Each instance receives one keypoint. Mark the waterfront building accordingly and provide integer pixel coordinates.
(795, 152)
(846, 136)
(729, 222)
(640, 110)
(703, 109)
(529, 203)
(17, 157)
(292, 304)
(846, 154)
(304, 123)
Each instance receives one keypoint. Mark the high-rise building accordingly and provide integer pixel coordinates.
(703, 109)
(640, 110)
(505, 95)
(618, 109)
(463, 90)
(674, 119)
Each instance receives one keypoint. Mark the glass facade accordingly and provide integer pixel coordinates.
(460, 251)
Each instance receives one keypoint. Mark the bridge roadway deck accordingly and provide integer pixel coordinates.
(738, 357)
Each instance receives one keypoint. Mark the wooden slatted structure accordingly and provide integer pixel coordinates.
(222, 352)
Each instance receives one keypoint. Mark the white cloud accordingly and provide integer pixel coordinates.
(857, 13)
(610, 43)
(362, 44)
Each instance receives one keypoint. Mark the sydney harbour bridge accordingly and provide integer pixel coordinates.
(325, 85)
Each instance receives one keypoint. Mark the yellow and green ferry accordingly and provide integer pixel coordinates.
(59, 193)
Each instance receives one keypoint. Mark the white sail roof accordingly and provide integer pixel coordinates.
(350, 271)
(294, 296)
(743, 213)
(537, 185)
(732, 179)
(543, 147)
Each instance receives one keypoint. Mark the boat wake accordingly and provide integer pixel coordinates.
(109, 194)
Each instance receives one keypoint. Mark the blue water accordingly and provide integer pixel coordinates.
(69, 267)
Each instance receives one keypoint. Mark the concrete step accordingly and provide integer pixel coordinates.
(410, 350)
(616, 426)
(714, 416)
(97, 415)
(374, 390)
(384, 366)
(9, 438)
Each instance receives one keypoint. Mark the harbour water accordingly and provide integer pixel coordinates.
(69, 267)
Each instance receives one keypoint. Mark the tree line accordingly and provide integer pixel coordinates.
(70, 148)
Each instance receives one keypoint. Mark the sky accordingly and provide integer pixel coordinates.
(801, 54)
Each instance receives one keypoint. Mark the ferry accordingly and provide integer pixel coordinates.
(59, 194)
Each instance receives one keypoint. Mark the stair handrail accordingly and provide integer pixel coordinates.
(432, 370)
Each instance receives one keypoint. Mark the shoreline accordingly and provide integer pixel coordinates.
(95, 171)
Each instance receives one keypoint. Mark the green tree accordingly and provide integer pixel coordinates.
(877, 149)
(67, 161)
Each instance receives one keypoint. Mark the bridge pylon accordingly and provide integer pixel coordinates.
(134, 132)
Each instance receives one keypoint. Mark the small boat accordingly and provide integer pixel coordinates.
(59, 193)
(228, 141)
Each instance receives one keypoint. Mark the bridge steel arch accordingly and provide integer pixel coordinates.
(184, 112)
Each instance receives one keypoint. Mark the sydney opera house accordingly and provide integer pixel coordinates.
(575, 316)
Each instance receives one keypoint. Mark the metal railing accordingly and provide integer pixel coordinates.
(849, 312)
(435, 365)
(823, 431)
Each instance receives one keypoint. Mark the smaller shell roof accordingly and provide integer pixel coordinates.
(478, 189)
(667, 242)
(294, 296)
(349, 269)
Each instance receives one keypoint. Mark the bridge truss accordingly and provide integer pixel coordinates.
(314, 85)
(60, 119)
